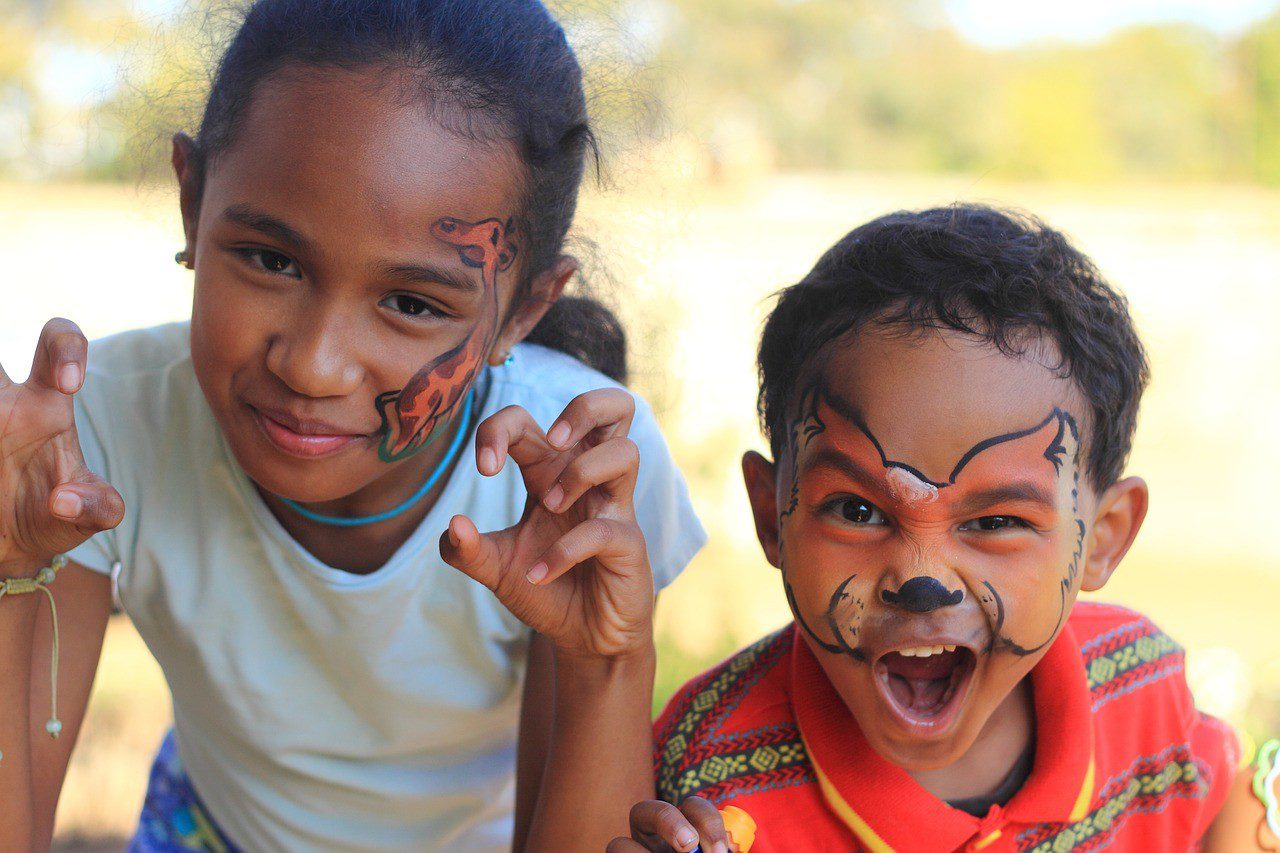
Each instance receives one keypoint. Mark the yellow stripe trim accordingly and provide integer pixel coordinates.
(860, 828)
(1081, 808)
(989, 840)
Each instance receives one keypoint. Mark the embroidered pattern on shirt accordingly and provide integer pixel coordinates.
(693, 757)
(1126, 658)
(1147, 786)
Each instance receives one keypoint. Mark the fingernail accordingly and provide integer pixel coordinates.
(69, 377)
(67, 505)
(453, 538)
(720, 847)
(686, 837)
(552, 498)
(488, 461)
(559, 434)
(537, 573)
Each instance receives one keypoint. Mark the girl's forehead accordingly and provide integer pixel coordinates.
(351, 153)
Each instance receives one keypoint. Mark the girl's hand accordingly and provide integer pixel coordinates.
(49, 501)
(662, 828)
(574, 568)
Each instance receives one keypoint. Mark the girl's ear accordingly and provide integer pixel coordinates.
(1121, 509)
(544, 290)
(761, 478)
(188, 189)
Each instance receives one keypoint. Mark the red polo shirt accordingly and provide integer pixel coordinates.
(1122, 759)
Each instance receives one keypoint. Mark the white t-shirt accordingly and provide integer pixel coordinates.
(315, 708)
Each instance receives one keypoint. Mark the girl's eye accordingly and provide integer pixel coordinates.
(994, 522)
(859, 511)
(272, 262)
(414, 306)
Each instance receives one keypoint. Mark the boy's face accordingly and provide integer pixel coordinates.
(933, 525)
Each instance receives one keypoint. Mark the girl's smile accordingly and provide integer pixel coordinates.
(306, 439)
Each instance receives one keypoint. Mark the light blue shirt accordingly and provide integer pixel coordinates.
(316, 709)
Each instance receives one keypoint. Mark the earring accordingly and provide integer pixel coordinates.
(181, 259)
(509, 360)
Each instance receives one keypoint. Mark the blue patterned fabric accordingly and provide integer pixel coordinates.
(173, 819)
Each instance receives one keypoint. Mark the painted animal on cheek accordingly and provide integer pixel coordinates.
(412, 416)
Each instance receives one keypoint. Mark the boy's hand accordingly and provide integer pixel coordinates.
(49, 501)
(661, 827)
(574, 568)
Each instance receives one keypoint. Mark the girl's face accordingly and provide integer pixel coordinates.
(354, 264)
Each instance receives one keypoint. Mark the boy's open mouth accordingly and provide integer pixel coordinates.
(925, 686)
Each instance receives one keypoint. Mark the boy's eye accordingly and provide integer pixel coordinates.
(272, 262)
(994, 522)
(414, 306)
(859, 511)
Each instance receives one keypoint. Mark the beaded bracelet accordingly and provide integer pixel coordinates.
(40, 583)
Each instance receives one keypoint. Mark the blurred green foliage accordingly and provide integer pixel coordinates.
(769, 84)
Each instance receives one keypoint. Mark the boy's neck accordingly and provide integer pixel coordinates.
(1008, 734)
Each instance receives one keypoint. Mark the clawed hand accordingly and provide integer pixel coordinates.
(574, 568)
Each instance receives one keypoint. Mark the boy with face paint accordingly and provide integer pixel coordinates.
(950, 397)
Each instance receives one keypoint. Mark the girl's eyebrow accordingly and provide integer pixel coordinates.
(432, 274)
(265, 223)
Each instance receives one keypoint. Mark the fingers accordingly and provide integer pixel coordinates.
(462, 547)
(91, 504)
(707, 821)
(594, 538)
(60, 358)
(662, 825)
(511, 431)
(625, 845)
(609, 410)
(611, 466)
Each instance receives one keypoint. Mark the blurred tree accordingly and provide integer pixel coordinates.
(34, 35)
(744, 85)
(1259, 57)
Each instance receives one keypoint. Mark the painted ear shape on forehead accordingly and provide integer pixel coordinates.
(1054, 439)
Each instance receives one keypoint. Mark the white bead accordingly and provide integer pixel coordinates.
(53, 727)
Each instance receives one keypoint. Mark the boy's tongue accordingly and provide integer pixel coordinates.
(919, 683)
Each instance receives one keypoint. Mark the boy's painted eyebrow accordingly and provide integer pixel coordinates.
(267, 224)
(832, 458)
(1021, 491)
(432, 274)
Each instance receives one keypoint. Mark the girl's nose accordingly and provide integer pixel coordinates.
(312, 358)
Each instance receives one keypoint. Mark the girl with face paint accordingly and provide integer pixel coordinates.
(381, 398)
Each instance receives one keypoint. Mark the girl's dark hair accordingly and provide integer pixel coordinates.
(497, 68)
(997, 275)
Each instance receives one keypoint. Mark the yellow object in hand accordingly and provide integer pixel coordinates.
(740, 826)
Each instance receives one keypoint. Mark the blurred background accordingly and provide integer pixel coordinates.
(743, 137)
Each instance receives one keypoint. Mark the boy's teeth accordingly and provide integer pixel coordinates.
(925, 651)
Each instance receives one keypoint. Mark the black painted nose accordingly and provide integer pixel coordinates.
(920, 595)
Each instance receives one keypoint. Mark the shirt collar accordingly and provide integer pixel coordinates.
(885, 808)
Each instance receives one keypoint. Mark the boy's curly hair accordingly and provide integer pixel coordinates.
(1000, 276)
